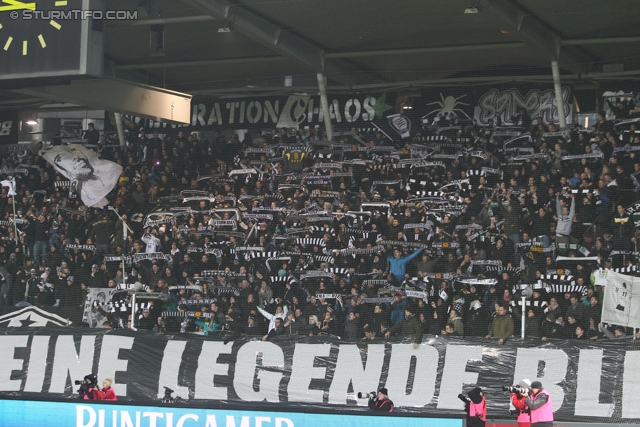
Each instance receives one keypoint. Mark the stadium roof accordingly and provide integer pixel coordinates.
(222, 47)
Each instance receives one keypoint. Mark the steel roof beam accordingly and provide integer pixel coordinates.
(539, 35)
(610, 40)
(278, 39)
(209, 62)
(423, 50)
(160, 21)
(370, 53)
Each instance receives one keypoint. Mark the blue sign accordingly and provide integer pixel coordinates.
(20, 413)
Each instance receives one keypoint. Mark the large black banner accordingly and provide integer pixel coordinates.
(589, 381)
(397, 114)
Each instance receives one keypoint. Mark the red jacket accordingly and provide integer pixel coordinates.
(520, 404)
(104, 394)
(384, 405)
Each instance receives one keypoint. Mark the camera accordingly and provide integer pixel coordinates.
(370, 395)
(515, 389)
(90, 381)
(463, 398)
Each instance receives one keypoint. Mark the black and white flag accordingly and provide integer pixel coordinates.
(11, 183)
(621, 303)
(93, 178)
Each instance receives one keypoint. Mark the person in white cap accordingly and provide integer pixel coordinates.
(518, 401)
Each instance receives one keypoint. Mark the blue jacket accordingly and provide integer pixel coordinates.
(398, 266)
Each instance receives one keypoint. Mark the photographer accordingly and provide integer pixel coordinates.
(107, 392)
(86, 387)
(539, 403)
(476, 407)
(518, 401)
(380, 402)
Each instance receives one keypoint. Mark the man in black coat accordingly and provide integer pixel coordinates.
(146, 321)
(91, 135)
(70, 295)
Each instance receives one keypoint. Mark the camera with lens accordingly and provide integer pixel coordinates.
(90, 381)
(515, 389)
(464, 398)
(370, 395)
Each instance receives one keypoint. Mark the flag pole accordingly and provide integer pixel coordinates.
(15, 224)
(124, 246)
(12, 189)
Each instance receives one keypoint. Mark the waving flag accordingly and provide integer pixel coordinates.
(11, 183)
(92, 178)
(621, 304)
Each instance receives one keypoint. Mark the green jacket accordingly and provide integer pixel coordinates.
(409, 326)
(458, 326)
(501, 327)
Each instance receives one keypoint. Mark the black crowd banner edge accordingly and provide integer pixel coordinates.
(588, 381)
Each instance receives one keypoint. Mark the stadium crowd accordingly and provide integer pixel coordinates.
(363, 238)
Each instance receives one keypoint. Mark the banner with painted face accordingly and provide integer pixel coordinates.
(592, 381)
(92, 177)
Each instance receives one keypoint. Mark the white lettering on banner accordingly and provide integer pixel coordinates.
(80, 412)
(293, 112)
(211, 421)
(110, 363)
(588, 386)
(231, 421)
(69, 363)
(208, 368)
(410, 375)
(184, 418)
(303, 371)
(349, 371)
(347, 110)
(455, 375)
(170, 368)
(153, 417)
(296, 111)
(630, 384)
(334, 111)
(37, 363)
(9, 364)
(554, 371)
(424, 378)
(126, 421)
(368, 104)
(505, 104)
(268, 382)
